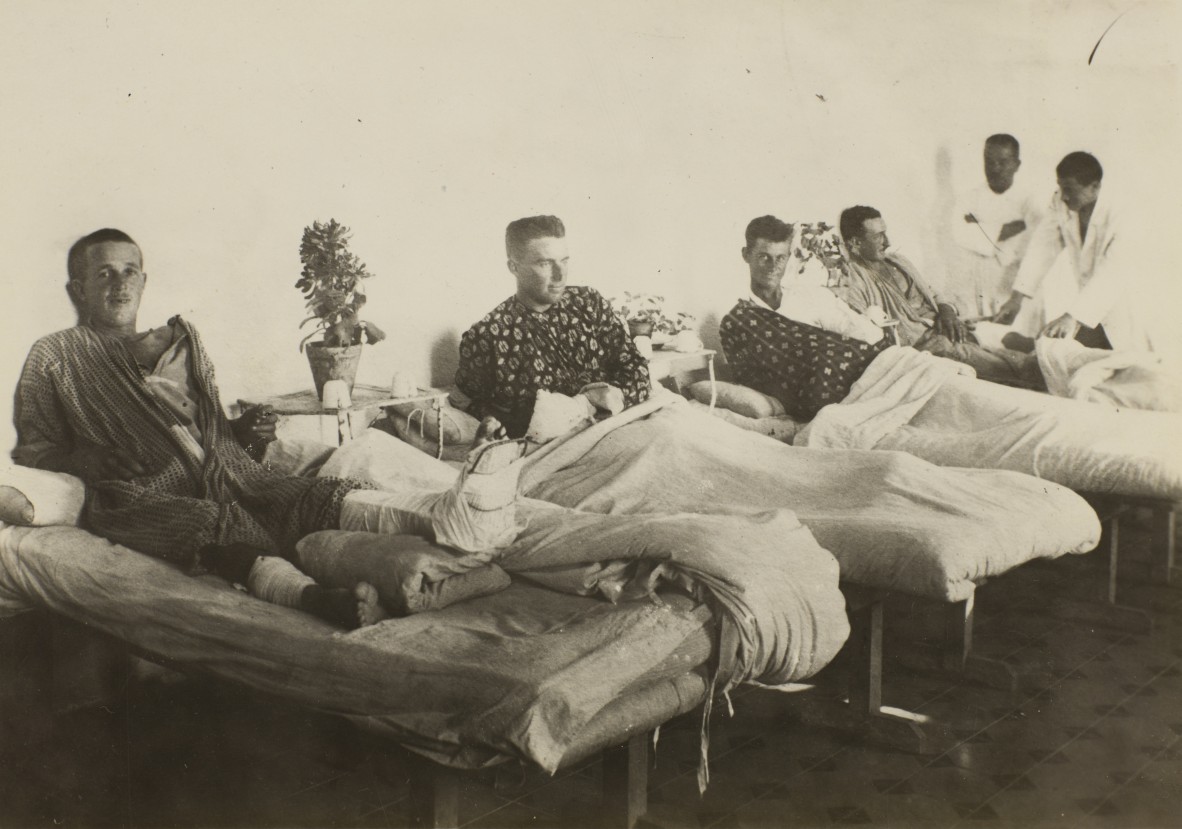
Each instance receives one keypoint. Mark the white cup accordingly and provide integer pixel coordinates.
(335, 395)
(644, 345)
(404, 384)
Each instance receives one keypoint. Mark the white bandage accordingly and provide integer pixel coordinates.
(277, 580)
(477, 515)
(396, 512)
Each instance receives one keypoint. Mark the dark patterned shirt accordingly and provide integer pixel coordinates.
(513, 352)
(802, 366)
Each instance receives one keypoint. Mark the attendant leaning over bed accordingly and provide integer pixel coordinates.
(547, 337)
(136, 415)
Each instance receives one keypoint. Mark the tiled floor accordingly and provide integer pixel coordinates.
(1097, 742)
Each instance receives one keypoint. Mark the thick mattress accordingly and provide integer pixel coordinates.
(527, 673)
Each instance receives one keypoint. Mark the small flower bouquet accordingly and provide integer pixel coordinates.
(646, 315)
(819, 241)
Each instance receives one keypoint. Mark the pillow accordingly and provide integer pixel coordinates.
(458, 426)
(39, 498)
(296, 456)
(411, 574)
(739, 399)
(781, 427)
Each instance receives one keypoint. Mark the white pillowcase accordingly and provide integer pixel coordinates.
(39, 498)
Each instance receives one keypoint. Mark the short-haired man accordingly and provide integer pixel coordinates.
(991, 228)
(1098, 306)
(801, 344)
(924, 319)
(548, 336)
(136, 415)
(767, 253)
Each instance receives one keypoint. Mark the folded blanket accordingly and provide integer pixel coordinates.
(411, 574)
(1127, 379)
(775, 588)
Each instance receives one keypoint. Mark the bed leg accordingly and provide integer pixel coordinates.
(865, 717)
(866, 670)
(1113, 556)
(435, 797)
(625, 782)
(957, 654)
(1164, 527)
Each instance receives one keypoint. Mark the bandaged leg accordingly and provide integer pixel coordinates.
(477, 515)
(394, 512)
(278, 581)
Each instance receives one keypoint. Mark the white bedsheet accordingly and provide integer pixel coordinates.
(907, 401)
(892, 520)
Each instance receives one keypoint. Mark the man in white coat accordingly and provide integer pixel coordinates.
(991, 228)
(1079, 262)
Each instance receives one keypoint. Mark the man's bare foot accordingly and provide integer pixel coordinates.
(349, 609)
(369, 605)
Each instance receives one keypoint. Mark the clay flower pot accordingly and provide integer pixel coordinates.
(333, 363)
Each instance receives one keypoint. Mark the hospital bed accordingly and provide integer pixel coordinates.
(526, 674)
(895, 524)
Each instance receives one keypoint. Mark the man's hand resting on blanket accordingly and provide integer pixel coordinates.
(604, 396)
(254, 430)
(949, 324)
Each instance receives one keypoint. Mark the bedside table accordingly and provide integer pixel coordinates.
(365, 398)
(679, 366)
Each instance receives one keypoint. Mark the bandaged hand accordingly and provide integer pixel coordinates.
(556, 414)
(604, 396)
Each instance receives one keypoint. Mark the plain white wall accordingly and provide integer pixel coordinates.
(214, 132)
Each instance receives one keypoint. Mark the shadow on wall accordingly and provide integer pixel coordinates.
(938, 243)
(445, 358)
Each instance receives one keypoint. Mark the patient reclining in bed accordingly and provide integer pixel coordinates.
(136, 415)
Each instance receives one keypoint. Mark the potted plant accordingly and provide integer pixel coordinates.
(819, 241)
(331, 283)
(645, 315)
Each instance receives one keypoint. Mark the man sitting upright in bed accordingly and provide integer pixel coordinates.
(136, 415)
(800, 344)
(548, 336)
(923, 320)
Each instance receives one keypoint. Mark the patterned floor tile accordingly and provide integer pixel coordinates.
(1036, 809)
(778, 812)
(953, 783)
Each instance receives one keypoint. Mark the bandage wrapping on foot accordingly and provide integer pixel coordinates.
(477, 515)
(277, 581)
